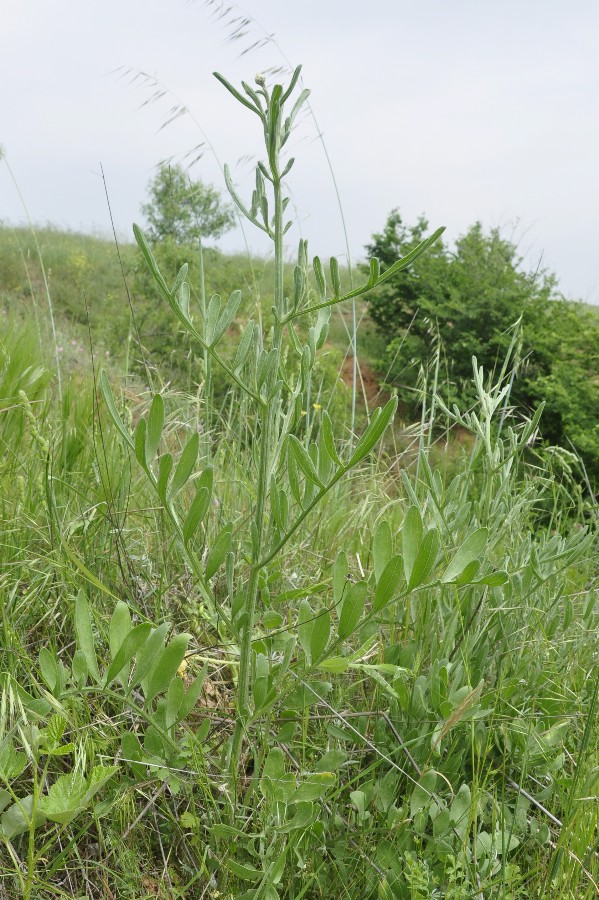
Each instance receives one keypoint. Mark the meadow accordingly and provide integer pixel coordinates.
(261, 636)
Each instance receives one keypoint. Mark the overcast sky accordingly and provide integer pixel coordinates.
(462, 110)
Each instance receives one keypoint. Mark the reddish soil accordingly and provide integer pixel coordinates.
(368, 385)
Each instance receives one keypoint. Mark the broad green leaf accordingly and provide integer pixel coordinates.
(305, 623)
(340, 573)
(212, 315)
(275, 783)
(197, 511)
(166, 665)
(192, 694)
(335, 665)
(331, 761)
(183, 295)
(71, 794)
(272, 619)
(303, 460)
(425, 560)
(382, 547)
(65, 799)
(130, 646)
(422, 793)
(352, 609)
(411, 535)
(247, 873)
(140, 443)
(470, 572)
(84, 634)
(79, 668)
(319, 638)
(186, 464)
(17, 818)
(471, 549)
(294, 482)
(49, 669)
(459, 812)
(227, 315)
(265, 366)
(493, 579)
(379, 422)
(218, 551)
(12, 762)
(244, 345)
(304, 815)
(148, 653)
(181, 278)
(174, 699)
(388, 583)
(154, 427)
(120, 626)
(165, 467)
(314, 787)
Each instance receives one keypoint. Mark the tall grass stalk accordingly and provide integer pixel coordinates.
(43, 271)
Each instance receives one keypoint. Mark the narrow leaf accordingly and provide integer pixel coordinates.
(120, 626)
(244, 346)
(165, 467)
(303, 460)
(382, 547)
(374, 431)
(186, 464)
(228, 314)
(425, 560)
(167, 665)
(388, 583)
(109, 400)
(197, 511)
(329, 439)
(135, 639)
(219, 550)
(351, 609)
(84, 633)
(411, 535)
(319, 638)
(320, 277)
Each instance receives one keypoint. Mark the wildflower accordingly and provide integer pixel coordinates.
(182, 668)
(317, 406)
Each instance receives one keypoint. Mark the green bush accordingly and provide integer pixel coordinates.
(477, 300)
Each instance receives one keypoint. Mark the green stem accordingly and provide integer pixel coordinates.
(207, 359)
(268, 417)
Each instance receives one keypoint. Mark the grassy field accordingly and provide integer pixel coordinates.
(254, 647)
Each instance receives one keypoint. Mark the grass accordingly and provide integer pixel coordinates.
(419, 711)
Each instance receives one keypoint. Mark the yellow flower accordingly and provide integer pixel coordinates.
(304, 413)
(317, 406)
(182, 668)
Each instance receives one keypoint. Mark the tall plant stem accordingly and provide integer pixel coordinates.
(268, 424)
(207, 358)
